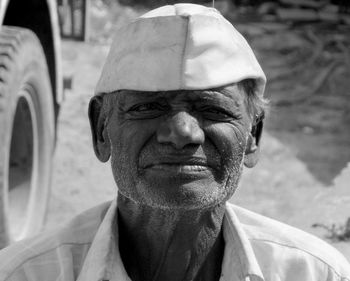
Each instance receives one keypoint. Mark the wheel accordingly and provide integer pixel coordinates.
(27, 129)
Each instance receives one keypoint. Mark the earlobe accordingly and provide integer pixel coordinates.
(100, 138)
(252, 151)
(251, 155)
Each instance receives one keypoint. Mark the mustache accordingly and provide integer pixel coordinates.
(167, 155)
(170, 160)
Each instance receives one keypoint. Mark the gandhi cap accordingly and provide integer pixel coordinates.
(179, 47)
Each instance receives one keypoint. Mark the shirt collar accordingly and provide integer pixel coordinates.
(103, 261)
(239, 261)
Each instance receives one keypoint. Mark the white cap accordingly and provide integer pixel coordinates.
(179, 47)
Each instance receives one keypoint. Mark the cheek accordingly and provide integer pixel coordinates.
(128, 138)
(230, 140)
(127, 141)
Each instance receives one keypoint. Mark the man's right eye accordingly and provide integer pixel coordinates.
(146, 111)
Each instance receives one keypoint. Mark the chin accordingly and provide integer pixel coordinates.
(184, 191)
(180, 195)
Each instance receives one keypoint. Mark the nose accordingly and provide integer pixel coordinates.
(179, 130)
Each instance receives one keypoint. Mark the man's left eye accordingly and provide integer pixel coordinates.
(216, 114)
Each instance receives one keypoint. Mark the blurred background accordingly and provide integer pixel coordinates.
(303, 176)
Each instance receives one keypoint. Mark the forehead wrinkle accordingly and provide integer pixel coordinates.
(227, 93)
(207, 94)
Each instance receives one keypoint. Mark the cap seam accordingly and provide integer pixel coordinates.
(184, 52)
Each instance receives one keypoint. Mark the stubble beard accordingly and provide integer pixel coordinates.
(131, 184)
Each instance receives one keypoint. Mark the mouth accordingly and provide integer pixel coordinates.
(179, 168)
(193, 168)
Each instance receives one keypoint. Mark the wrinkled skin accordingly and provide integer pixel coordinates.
(176, 158)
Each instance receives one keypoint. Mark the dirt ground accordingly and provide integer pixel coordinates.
(303, 175)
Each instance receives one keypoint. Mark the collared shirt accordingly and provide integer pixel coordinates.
(256, 249)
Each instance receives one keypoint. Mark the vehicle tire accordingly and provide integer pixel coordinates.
(27, 130)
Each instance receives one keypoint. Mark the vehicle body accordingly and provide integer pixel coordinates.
(47, 31)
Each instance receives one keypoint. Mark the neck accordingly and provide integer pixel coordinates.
(158, 244)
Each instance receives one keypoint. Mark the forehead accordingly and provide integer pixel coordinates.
(232, 93)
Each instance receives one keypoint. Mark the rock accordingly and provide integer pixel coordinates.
(273, 26)
(267, 8)
(345, 19)
(295, 14)
(329, 16)
(330, 8)
(304, 3)
(250, 30)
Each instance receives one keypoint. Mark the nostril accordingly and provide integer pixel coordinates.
(180, 130)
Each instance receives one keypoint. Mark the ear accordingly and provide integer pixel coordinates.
(100, 138)
(252, 151)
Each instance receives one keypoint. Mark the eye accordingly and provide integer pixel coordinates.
(147, 110)
(217, 114)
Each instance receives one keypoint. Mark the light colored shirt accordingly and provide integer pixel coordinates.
(256, 249)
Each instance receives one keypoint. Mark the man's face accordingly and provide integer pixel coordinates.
(178, 149)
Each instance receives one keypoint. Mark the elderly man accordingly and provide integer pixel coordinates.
(179, 110)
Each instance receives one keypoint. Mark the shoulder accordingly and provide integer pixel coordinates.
(55, 249)
(268, 235)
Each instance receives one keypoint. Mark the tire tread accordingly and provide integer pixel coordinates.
(21, 54)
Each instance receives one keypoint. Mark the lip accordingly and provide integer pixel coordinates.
(178, 171)
(179, 167)
(176, 161)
